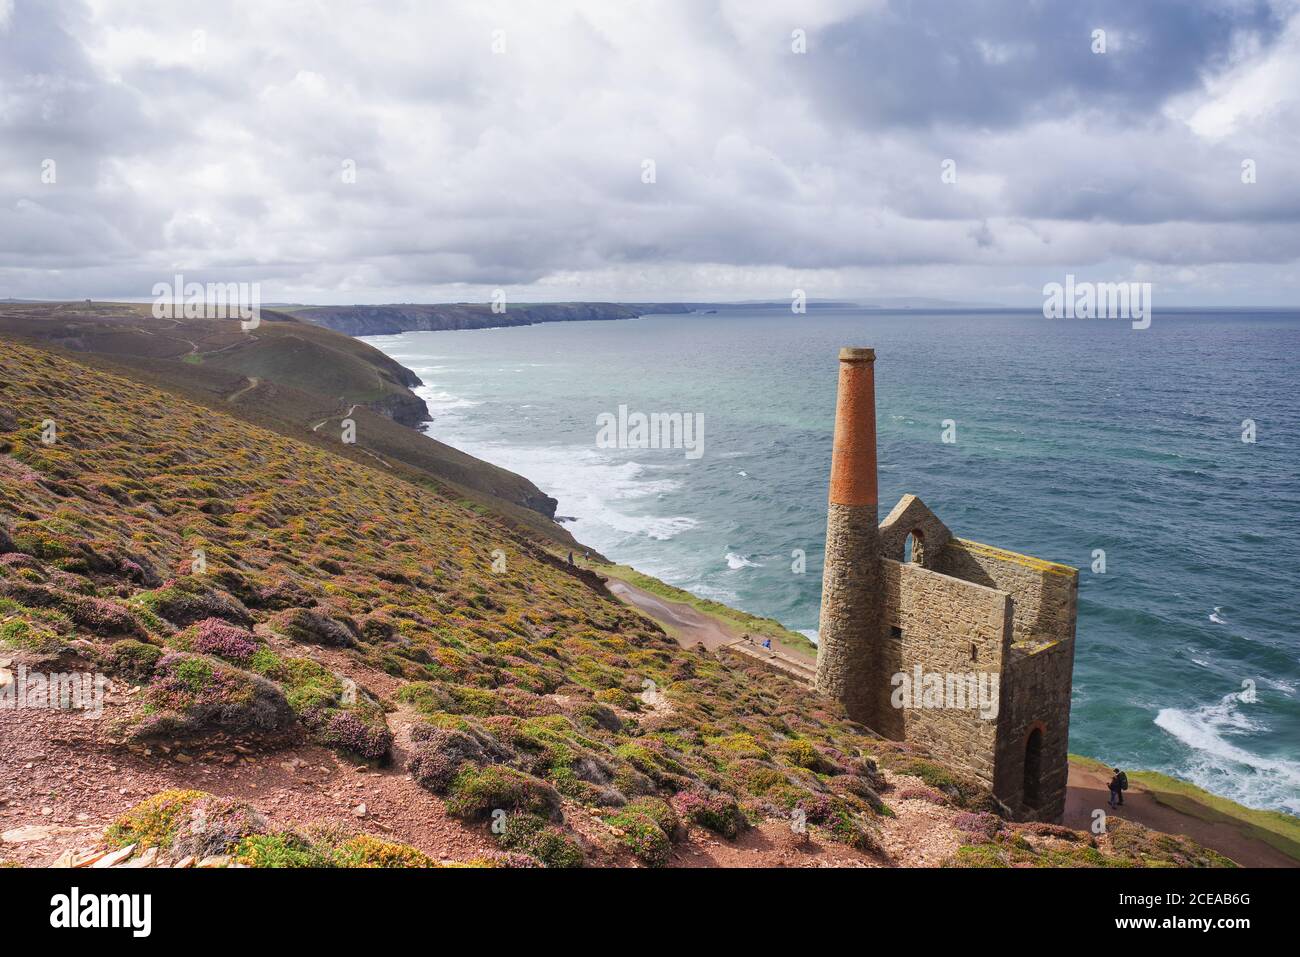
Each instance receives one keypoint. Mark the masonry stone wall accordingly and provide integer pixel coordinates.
(948, 627)
(1044, 600)
(911, 517)
(1039, 684)
(1044, 593)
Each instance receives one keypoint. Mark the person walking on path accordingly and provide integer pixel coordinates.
(1118, 785)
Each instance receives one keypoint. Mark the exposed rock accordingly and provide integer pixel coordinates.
(115, 858)
(30, 833)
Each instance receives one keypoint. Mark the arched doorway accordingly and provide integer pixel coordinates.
(1033, 768)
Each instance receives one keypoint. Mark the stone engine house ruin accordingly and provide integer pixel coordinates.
(904, 597)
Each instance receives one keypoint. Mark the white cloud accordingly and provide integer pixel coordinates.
(523, 169)
(1261, 85)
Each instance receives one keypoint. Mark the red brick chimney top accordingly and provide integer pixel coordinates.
(853, 458)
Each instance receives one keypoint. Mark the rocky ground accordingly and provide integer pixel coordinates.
(61, 787)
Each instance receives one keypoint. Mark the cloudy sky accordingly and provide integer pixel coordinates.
(505, 144)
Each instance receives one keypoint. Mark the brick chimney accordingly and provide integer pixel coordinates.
(849, 628)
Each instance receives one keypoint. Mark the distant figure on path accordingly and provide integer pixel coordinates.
(1118, 785)
(767, 643)
(570, 558)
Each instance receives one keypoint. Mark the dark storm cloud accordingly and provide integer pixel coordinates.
(1001, 63)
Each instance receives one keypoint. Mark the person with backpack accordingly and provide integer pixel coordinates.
(1118, 785)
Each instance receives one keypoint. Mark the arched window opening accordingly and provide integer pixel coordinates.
(914, 548)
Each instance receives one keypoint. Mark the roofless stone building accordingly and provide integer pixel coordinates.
(955, 613)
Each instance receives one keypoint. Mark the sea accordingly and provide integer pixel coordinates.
(1161, 462)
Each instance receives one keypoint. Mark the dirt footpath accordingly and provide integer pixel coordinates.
(1087, 791)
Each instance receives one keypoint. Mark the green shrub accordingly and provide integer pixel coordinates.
(530, 834)
(190, 694)
(851, 829)
(619, 699)
(662, 813)
(29, 636)
(802, 753)
(477, 792)
(365, 850)
(154, 822)
(646, 839)
(132, 658)
(714, 810)
(278, 850)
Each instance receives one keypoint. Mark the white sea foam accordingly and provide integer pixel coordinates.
(713, 593)
(736, 561)
(603, 494)
(1216, 617)
(1277, 684)
(600, 490)
(440, 402)
(810, 633)
(1219, 764)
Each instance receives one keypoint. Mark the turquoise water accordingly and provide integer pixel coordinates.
(1071, 436)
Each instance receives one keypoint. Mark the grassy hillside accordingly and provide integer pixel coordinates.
(527, 679)
(257, 596)
(292, 377)
(336, 368)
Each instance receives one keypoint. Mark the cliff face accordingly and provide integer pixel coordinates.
(414, 317)
(407, 410)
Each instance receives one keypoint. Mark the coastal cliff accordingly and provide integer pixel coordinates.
(290, 376)
(383, 320)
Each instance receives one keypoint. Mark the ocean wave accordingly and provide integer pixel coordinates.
(713, 593)
(440, 401)
(1226, 767)
(660, 528)
(1278, 684)
(736, 561)
(599, 490)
